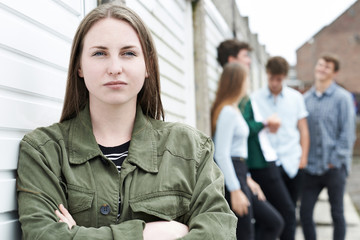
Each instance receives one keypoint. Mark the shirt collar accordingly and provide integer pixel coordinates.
(142, 150)
(329, 91)
(270, 95)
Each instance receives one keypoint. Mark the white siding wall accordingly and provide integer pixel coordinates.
(34, 53)
(216, 31)
(171, 26)
(255, 73)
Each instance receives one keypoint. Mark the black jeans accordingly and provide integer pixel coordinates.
(293, 185)
(267, 218)
(276, 193)
(334, 180)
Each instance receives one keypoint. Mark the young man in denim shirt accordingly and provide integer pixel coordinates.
(332, 133)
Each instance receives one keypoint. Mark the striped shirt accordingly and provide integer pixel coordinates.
(117, 155)
(331, 123)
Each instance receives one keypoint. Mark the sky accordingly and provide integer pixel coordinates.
(285, 25)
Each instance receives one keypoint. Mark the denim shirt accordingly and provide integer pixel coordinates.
(169, 174)
(331, 123)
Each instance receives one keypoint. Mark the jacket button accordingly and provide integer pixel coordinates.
(105, 209)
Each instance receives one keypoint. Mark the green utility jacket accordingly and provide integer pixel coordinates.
(169, 174)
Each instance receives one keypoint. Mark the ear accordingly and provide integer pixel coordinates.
(146, 74)
(80, 73)
(231, 59)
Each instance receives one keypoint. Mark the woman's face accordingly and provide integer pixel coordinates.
(112, 63)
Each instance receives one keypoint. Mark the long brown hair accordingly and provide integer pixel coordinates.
(230, 89)
(77, 95)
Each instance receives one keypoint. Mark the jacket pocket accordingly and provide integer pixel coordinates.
(167, 205)
(79, 203)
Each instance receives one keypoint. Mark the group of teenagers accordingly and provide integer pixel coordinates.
(277, 148)
(112, 168)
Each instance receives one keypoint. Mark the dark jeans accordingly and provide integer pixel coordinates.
(293, 185)
(267, 218)
(276, 193)
(334, 180)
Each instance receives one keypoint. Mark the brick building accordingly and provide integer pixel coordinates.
(341, 37)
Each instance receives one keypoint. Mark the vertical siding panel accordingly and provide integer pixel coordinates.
(9, 228)
(216, 31)
(34, 55)
(171, 25)
(189, 64)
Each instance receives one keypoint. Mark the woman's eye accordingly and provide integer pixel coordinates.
(98, 54)
(129, 54)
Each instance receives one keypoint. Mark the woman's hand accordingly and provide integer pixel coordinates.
(64, 216)
(255, 188)
(273, 123)
(164, 230)
(239, 202)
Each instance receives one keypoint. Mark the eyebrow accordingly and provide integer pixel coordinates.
(99, 47)
(123, 48)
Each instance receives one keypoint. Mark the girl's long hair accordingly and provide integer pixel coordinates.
(77, 95)
(230, 89)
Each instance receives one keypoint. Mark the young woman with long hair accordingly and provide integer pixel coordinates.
(111, 169)
(230, 133)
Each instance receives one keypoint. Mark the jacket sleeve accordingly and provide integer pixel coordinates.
(248, 114)
(210, 216)
(40, 190)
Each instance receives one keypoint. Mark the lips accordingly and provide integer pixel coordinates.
(115, 83)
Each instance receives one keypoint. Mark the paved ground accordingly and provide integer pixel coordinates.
(353, 184)
(352, 206)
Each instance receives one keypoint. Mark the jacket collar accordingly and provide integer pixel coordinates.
(142, 150)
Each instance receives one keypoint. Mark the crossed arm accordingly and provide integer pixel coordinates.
(153, 230)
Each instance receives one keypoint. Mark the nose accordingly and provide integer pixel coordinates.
(114, 73)
(115, 66)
